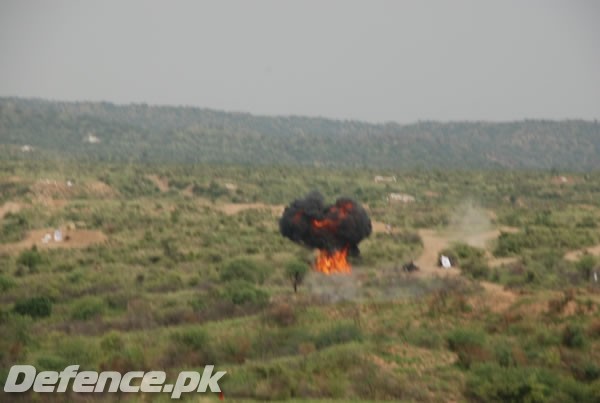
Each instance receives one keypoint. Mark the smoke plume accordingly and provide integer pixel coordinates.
(330, 228)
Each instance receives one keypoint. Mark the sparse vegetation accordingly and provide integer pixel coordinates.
(198, 274)
(36, 307)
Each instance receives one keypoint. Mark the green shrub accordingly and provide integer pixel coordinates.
(277, 342)
(461, 337)
(464, 251)
(585, 265)
(30, 258)
(281, 313)
(195, 338)
(468, 344)
(112, 342)
(490, 382)
(244, 269)
(191, 347)
(424, 337)
(242, 292)
(342, 333)
(475, 268)
(295, 271)
(591, 371)
(503, 354)
(51, 363)
(163, 282)
(87, 308)
(573, 336)
(6, 283)
(77, 350)
(493, 383)
(13, 227)
(36, 307)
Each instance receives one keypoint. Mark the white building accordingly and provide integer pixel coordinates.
(400, 198)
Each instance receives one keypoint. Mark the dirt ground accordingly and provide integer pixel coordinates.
(381, 227)
(76, 238)
(9, 207)
(496, 298)
(161, 183)
(575, 255)
(234, 208)
(51, 189)
(99, 188)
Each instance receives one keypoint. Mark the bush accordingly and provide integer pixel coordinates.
(30, 258)
(195, 338)
(594, 328)
(493, 383)
(296, 270)
(112, 342)
(573, 336)
(36, 307)
(244, 269)
(470, 259)
(282, 314)
(13, 227)
(460, 338)
(424, 337)
(77, 350)
(276, 342)
(343, 333)
(464, 251)
(87, 308)
(468, 345)
(476, 268)
(585, 265)
(51, 363)
(190, 347)
(504, 356)
(6, 283)
(243, 292)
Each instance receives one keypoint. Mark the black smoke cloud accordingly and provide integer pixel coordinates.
(332, 227)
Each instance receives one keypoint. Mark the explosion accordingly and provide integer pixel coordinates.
(335, 230)
(332, 262)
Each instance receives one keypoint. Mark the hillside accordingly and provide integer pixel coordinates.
(171, 267)
(142, 133)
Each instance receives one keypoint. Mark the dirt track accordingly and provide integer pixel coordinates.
(496, 298)
(434, 242)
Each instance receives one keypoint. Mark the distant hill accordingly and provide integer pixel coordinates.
(105, 131)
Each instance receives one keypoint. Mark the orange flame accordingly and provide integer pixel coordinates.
(332, 262)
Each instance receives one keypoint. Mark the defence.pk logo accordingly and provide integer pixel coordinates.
(22, 378)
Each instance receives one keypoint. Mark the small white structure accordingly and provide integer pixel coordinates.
(47, 238)
(58, 236)
(26, 148)
(92, 138)
(380, 179)
(445, 261)
(400, 197)
(595, 277)
(69, 184)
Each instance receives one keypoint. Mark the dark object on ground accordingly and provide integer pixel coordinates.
(410, 267)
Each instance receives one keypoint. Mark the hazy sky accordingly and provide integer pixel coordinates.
(369, 60)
